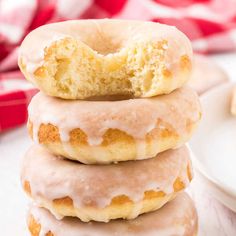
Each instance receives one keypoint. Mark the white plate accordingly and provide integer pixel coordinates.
(13, 202)
(214, 145)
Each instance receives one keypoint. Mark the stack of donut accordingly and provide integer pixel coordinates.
(110, 126)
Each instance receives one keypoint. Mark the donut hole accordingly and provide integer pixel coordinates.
(105, 45)
(102, 39)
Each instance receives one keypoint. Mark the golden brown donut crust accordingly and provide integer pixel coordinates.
(111, 131)
(114, 140)
(35, 228)
(183, 221)
(120, 207)
(116, 194)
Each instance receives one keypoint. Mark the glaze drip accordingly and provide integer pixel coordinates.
(135, 117)
(51, 178)
(177, 217)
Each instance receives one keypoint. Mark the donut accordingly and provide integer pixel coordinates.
(104, 192)
(206, 74)
(88, 58)
(111, 131)
(178, 218)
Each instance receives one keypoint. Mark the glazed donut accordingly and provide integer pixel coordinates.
(111, 131)
(104, 192)
(86, 58)
(178, 217)
(206, 74)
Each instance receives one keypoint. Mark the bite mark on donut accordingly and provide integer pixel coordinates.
(75, 70)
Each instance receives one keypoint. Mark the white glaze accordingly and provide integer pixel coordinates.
(141, 149)
(95, 185)
(177, 217)
(136, 117)
(222, 141)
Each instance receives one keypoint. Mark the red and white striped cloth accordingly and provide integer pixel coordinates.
(210, 24)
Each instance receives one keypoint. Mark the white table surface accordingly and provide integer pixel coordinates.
(214, 218)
